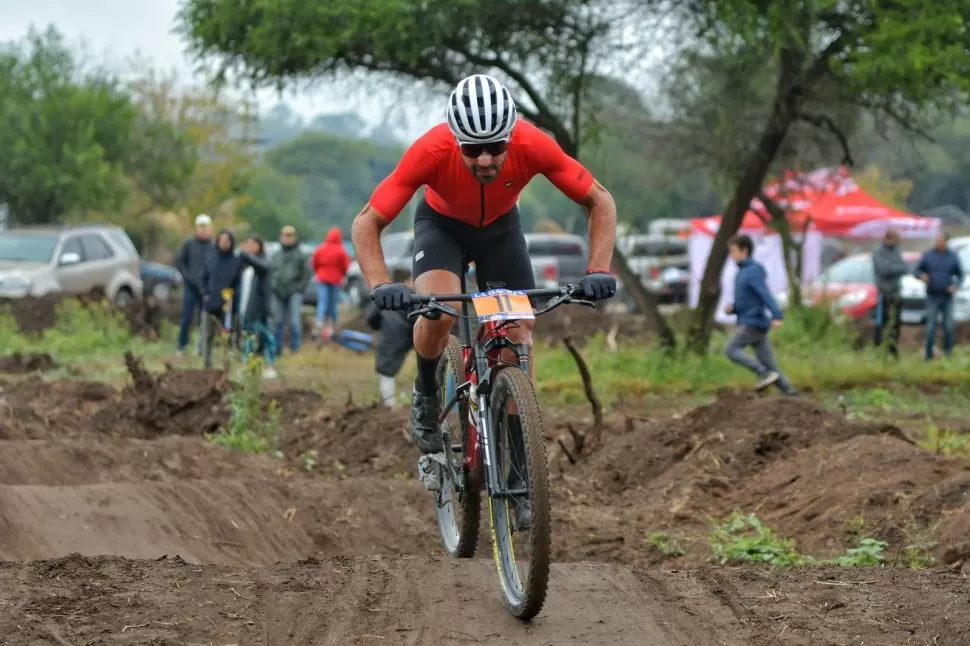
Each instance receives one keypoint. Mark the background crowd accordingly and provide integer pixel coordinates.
(245, 289)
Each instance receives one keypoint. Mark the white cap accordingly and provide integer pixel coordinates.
(202, 220)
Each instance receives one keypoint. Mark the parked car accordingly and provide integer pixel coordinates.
(40, 260)
(661, 262)
(849, 285)
(159, 281)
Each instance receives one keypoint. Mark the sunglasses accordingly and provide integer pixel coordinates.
(475, 151)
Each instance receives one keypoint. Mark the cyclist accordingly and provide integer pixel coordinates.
(474, 167)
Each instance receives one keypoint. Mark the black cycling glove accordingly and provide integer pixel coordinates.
(391, 296)
(597, 285)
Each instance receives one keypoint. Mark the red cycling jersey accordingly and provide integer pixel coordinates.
(452, 189)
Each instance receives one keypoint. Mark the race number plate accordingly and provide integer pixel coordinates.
(502, 305)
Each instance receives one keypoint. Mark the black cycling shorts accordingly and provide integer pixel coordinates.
(498, 249)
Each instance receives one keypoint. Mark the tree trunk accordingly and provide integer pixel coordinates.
(792, 250)
(787, 101)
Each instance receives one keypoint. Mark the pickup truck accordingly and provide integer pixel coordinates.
(661, 262)
(556, 258)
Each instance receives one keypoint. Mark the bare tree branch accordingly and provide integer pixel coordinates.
(824, 121)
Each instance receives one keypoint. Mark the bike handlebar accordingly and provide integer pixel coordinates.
(425, 299)
(437, 303)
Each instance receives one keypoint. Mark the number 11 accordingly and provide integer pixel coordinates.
(504, 302)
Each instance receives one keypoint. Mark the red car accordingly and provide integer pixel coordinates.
(850, 286)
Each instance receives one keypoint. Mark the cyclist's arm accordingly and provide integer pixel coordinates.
(578, 184)
(389, 198)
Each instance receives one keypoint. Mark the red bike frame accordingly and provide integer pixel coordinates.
(486, 332)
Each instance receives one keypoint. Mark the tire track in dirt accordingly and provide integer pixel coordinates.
(407, 602)
(417, 601)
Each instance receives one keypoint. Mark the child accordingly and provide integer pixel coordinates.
(396, 341)
(751, 301)
(257, 314)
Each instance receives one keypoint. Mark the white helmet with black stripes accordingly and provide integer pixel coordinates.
(481, 110)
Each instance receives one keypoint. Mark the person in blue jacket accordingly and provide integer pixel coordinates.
(940, 269)
(752, 303)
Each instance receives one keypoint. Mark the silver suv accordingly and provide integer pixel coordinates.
(40, 260)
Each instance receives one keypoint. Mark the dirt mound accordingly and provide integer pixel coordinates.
(358, 440)
(34, 409)
(175, 402)
(249, 521)
(64, 462)
(811, 474)
(78, 599)
(21, 364)
(734, 437)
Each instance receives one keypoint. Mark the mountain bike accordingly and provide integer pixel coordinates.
(492, 425)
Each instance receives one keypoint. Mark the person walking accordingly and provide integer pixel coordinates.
(330, 264)
(289, 275)
(751, 299)
(189, 261)
(940, 269)
(889, 268)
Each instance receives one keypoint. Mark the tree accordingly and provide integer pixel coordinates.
(904, 59)
(273, 202)
(549, 49)
(65, 131)
(338, 173)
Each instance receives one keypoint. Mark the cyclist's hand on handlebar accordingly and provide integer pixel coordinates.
(391, 296)
(597, 285)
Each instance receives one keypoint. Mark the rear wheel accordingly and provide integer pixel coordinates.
(521, 554)
(458, 505)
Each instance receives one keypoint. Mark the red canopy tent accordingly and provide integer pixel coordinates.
(824, 202)
(833, 203)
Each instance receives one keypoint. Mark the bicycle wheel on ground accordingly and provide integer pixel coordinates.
(520, 523)
(458, 505)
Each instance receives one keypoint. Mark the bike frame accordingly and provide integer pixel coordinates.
(481, 360)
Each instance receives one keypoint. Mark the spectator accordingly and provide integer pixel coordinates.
(751, 299)
(221, 278)
(889, 268)
(940, 269)
(257, 310)
(189, 261)
(289, 276)
(330, 264)
(395, 341)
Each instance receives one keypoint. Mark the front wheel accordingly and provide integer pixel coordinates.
(520, 523)
(458, 505)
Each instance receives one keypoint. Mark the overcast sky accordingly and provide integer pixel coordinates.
(118, 29)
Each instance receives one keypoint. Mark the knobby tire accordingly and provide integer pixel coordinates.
(513, 383)
(469, 506)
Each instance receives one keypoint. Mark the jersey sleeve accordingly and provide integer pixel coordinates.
(411, 173)
(565, 173)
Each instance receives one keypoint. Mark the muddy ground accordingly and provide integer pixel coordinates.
(121, 524)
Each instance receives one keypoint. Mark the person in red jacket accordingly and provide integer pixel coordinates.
(330, 264)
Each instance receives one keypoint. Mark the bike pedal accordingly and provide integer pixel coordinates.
(429, 471)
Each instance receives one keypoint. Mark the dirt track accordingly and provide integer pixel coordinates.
(239, 549)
